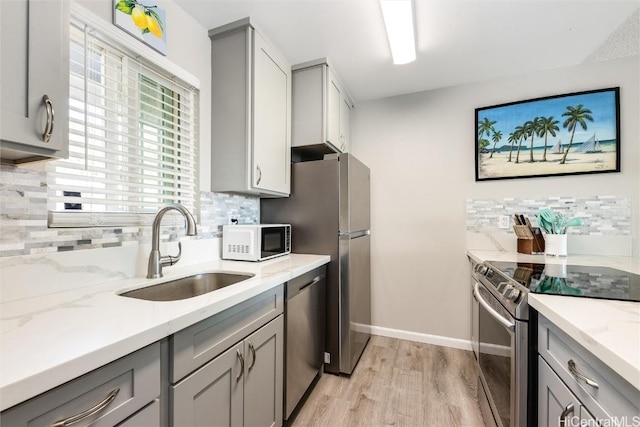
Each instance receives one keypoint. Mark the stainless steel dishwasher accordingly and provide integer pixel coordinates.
(304, 334)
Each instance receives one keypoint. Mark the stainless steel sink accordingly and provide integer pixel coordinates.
(187, 287)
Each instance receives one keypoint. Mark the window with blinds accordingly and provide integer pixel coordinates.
(132, 139)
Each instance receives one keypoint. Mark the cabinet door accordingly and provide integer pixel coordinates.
(264, 375)
(557, 406)
(271, 119)
(334, 93)
(212, 395)
(35, 62)
(345, 124)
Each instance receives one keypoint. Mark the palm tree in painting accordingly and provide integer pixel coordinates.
(575, 116)
(531, 127)
(521, 133)
(485, 127)
(548, 125)
(497, 136)
(513, 138)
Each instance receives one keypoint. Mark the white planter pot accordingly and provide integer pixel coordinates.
(555, 244)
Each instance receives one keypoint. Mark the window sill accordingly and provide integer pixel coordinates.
(79, 219)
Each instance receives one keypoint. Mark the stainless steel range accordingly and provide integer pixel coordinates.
(501, 327)
(501, 336)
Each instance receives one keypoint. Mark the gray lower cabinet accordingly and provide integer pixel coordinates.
(227, 370)
(574, 383)
(557, 406)
(264, 374)
(240, 387)
(107, 396)
(147, 417)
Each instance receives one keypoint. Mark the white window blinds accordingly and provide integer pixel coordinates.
(132, 138)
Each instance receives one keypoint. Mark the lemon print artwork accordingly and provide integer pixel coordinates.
(139, 17)
(144, 16)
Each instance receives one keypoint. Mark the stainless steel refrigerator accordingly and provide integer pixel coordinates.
(329, 213)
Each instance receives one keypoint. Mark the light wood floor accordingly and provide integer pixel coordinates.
(397, 383)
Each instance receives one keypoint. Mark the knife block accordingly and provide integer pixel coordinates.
(530, 239)
(538, 241)
(525, 246)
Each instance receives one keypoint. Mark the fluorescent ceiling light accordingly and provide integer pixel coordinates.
(398, 20)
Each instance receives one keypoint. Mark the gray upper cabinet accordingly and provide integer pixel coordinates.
(34, 76)
(321, 109)
(250, 113)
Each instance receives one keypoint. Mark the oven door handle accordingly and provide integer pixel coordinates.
(504, 322)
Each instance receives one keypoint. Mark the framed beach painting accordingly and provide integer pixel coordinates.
(575, 133)
(144, 19)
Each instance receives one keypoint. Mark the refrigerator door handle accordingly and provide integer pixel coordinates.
(354, 234)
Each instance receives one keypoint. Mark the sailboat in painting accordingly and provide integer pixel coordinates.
(592, 145)
(557, 148)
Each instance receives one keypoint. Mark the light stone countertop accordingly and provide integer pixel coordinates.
(50, 339)
(608, 329)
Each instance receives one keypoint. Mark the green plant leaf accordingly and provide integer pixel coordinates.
(125, 6)
(157, 17)
(145, 31)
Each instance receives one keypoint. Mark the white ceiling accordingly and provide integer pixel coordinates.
(458, 41)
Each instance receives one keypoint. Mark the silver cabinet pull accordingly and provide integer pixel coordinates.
(89, 412)
(259, 174)
(48, 130)
(574, 371)
(253, 354)
(241, 365)
(565, 413)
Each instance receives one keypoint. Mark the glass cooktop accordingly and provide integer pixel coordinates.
(574, 280)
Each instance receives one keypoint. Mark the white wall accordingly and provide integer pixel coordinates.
(189, 47)
(420, 149)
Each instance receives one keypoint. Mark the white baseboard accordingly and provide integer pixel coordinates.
(420, 337)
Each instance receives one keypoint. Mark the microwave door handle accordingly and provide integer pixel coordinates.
(504, 322)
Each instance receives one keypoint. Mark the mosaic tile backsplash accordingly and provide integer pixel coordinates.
(602, 215)
(23, 218)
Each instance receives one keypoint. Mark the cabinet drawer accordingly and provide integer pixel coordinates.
(612, 397)
(148, 417)
(136, 378)
(194, 346)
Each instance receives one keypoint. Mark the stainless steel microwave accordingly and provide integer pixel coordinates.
(255, 242)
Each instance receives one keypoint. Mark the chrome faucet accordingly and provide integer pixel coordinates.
(157, 261)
